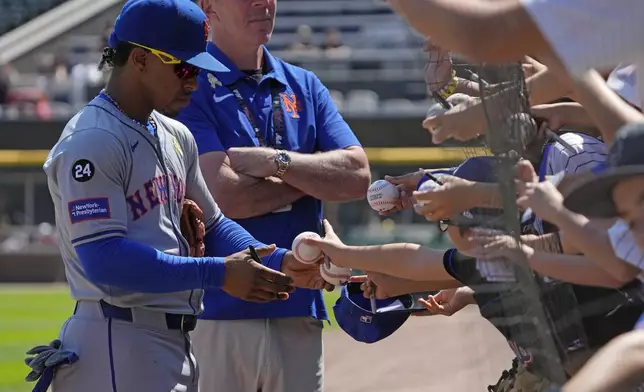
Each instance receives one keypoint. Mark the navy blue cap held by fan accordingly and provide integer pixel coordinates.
(353, 314)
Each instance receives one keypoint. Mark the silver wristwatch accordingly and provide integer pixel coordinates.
(283, 161)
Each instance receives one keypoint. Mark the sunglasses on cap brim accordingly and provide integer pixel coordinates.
(182, 69)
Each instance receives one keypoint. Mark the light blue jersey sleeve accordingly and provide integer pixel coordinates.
(89, 170)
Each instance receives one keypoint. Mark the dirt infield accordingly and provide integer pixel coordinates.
(461, 353)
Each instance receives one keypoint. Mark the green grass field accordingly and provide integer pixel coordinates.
(32, 315)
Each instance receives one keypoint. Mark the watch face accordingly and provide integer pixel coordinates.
(284, 158)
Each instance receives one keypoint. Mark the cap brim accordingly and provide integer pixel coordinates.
(203, 60)
(593, 198)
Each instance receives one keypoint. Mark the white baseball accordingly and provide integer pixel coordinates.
(335, 275)
(424, 187)
(382, 195)
(305, 253)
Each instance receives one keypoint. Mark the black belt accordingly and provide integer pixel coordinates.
(182, 322)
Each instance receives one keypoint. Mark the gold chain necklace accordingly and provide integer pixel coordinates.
(116, 105)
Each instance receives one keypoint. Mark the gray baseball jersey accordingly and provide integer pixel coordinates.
(108, 176)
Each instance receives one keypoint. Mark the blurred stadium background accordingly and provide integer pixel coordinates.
(49, 50)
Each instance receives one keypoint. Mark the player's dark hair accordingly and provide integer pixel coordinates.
(115, 57)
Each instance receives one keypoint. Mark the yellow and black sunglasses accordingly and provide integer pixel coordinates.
(182, 69)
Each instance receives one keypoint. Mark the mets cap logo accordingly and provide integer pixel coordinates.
(206, 28)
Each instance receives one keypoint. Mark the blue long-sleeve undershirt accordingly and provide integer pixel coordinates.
(237, 239)
(140, 268)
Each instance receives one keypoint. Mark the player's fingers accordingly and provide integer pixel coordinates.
(269, 290)
(272, 287)
(329, 287)
(278, 280)
(265, 251)
(264, 296)
(260, 296)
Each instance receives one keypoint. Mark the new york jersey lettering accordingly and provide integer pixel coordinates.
(154, 193)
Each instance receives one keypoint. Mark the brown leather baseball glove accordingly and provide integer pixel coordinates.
(193, 228)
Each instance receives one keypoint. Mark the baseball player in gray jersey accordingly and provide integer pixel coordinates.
(118, 177)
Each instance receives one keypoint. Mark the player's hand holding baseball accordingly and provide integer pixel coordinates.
(464, 121)
(447, 302)
(452, 198)
(251, 281)
(304, 275)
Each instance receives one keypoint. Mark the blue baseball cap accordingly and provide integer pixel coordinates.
(177, 27)
(353, 313)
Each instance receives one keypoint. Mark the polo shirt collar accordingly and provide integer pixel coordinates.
(273, 67)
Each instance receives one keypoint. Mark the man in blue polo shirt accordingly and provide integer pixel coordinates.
(272, 147)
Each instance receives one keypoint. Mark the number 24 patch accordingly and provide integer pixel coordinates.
(82, 170)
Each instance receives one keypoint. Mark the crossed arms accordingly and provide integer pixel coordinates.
(242, 179)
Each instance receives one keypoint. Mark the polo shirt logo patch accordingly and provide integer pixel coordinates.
(289, 101)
